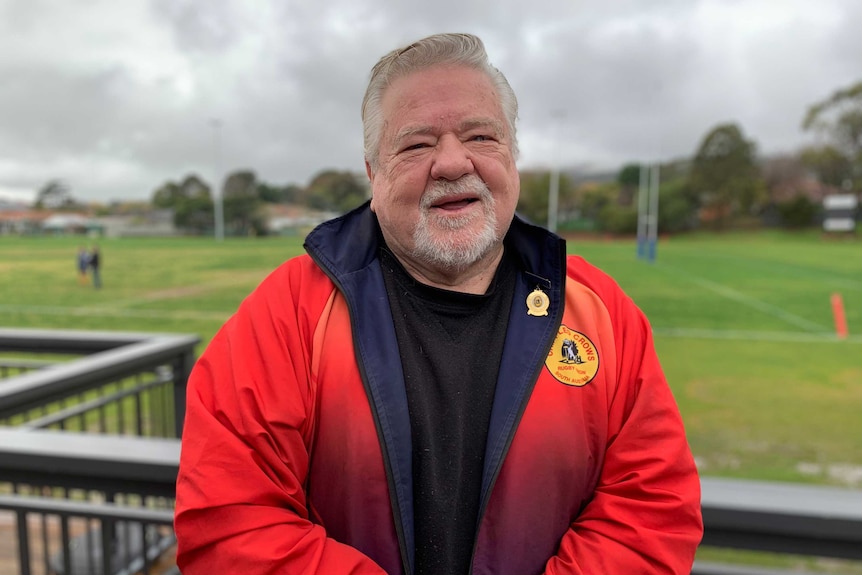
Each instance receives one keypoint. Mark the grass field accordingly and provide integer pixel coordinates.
(745, 332)
(743, 326)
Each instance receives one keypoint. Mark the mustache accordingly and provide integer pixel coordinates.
(441, 189)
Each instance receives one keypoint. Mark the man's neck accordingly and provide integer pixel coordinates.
(473, 280)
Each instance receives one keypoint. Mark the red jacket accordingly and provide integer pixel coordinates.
(296, 446)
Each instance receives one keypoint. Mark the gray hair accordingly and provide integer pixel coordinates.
(453, 49)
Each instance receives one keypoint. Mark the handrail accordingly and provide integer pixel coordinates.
(86, 509)
(782, 517)
(120, 383)
(28, 390)
(85, 406)
(123, 543)
(743, 514)
(141, 465)
(68, 340)
(738, 513)
(112, 357)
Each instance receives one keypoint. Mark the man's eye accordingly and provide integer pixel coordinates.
(415, 146)
(481, 138)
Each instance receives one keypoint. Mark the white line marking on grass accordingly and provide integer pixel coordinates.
(727, 334)
(187, 291)
(115, 312)
(845, 284)
(755, 303)
(742, 335)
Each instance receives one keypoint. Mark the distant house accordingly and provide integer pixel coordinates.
(789, 185)
(145, 223)
(7, 205)
(21, 221)
(293, 219)
(805, 185)
(66, 223)
(149, 223)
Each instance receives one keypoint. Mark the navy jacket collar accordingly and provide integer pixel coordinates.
(351, 242)
(346, 249)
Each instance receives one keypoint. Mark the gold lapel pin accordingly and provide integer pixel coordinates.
(537, 303)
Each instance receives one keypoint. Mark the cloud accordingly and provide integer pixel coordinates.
(117, 97)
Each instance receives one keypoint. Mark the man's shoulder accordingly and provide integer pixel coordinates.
(579, 268)
(296, 283)
(301, 268)
(594, 278)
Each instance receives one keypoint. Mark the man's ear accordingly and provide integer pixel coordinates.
(371, 183)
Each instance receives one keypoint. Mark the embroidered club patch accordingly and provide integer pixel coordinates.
(573, 359)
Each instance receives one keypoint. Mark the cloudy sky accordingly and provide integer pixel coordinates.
(116, 97)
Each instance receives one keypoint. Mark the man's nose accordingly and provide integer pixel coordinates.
(451, 159)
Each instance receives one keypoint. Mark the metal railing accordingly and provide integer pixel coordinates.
(739, 514)
(89, 501)
(89, 449)
(10, 367)
(783, 517)
(787, 518)
(110, 539)
(126, 383)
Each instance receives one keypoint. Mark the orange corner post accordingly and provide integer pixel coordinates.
(840, 318)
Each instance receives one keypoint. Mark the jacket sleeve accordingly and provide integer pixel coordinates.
(241, 504)
(645, 514)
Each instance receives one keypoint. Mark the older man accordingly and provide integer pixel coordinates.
(436, 387)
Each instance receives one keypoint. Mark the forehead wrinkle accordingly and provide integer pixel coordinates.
(409, 131)
(473, 123)
(469, 124)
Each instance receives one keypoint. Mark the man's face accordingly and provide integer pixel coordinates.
(446, 186)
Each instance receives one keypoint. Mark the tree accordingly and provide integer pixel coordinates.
(292, 194)
(677, 206)
(533, 201)
(242, 204)
(336, 191)
(167, 196)
(288, 194)
(191, 202)
(55, 195)
(725, 175)
(616, 219)
(629, 179)
(832, 167)
(782, 170)
(194, 188)
(594, 198)
(799, 212)
(839, 118)
(195, 210)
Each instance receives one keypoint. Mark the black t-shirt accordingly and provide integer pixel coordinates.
(450, 345)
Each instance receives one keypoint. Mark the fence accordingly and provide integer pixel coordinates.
(89, 428)
(90, 451)
(779, 517)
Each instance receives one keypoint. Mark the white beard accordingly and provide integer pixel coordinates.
(453, 251)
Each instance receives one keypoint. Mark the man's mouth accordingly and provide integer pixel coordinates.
(455, 203)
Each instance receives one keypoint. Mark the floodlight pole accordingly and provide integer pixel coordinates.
(652, 236)
(643, 187)
(553, 198)
(648, 189)
(217, 196)
(554, 186)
